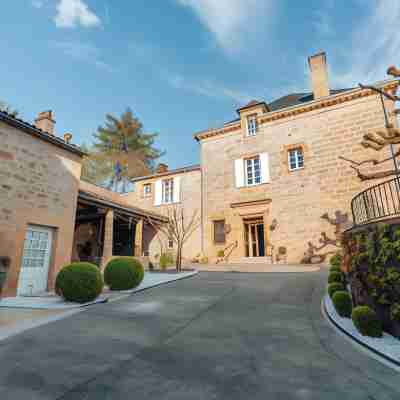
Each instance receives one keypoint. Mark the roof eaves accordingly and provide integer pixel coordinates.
(182, 170)
(32, 130)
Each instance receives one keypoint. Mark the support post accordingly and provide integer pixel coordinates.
(139, 239)
(108, 237)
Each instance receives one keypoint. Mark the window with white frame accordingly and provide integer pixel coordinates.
(295, 159)
(251, 125)
(147, 189)
(252, 171)
(167, 191)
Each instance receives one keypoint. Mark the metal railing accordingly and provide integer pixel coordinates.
(377, 202)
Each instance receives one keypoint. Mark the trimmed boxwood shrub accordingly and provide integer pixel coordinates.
(366, 321)
(342, 302)
(123, 273)
(166, 259)
(335, 287)
(334, 269)
(336, 260)
(335, 277)
(79, 282)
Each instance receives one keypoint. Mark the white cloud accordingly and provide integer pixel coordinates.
(84, 52)
(230, 21)
(72, 13)
(208, 88)
(375, 45)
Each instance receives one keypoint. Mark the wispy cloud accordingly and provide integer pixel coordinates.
(231, 21)
(73, 13)
(207, 87)
(374, 46)
(84, 52)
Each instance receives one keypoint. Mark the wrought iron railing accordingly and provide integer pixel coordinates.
(377, 202)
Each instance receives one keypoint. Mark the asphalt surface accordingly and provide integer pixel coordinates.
(214, 336)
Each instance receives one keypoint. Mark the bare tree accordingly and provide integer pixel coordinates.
(179, 228)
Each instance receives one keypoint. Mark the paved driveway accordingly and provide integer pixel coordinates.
(214, 336)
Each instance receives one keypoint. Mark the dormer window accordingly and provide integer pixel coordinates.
(252, 125)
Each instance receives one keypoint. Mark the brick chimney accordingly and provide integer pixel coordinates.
(45, 122)
(162, 168)
(319, 75)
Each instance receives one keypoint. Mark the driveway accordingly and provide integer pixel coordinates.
(214, 336)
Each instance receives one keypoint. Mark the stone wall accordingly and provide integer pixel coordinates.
(38, 185)
(305, 203)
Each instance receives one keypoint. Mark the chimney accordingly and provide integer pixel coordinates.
(162, 168)
(319, 75)
(45, 122)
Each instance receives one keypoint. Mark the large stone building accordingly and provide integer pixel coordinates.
(271, 185)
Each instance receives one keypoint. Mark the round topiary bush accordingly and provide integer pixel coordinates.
(79, 282)
(366, 321)
(123, 273)
(336, 260)
(335, 287)
(335, 277)
(342, 302)
(334, 269)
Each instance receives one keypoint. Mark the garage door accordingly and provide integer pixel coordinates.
(34, 270)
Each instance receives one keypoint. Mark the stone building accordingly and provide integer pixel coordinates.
(271, 185)
(48, 216)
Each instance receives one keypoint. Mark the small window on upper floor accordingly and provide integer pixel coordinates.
(219, 232)
(147, 189)
(167, 191)
(295, 159)
(252, 125)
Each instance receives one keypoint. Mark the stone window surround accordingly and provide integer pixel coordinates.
(285, 156)
(214, 222)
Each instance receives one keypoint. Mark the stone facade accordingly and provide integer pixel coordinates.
(38, 186)
(302, 204)
(189, 199)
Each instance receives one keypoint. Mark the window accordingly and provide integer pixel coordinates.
(219, 232)
(253, 171)
(167, 191)
(147, 189)
(251, 125)
(170, 243)
(295, 159)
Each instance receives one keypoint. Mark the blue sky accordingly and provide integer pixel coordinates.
(182, 65)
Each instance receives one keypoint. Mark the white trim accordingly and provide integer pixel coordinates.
(296, 151)
(265, 176)
(158, 193)
(239, 173)
(177, 189)
(250, 129)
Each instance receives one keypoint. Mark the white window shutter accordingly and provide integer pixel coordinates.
(177, 189)
(265, 176)
(239, 172)
(158, 193)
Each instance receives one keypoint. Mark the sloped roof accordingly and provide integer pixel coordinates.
(40, 134)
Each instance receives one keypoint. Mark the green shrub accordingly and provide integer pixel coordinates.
(203, 260)
(342, 302)
(335, 287)
(366, 321)
(334, 269)
(336, 260)
(335, 277)
(79, 282)
(123, 273)
(166, 259)
(220, 253)
(395, 312)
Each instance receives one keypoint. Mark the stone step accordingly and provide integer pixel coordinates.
(254, 260)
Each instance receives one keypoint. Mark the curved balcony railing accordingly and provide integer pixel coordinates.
(377, 202)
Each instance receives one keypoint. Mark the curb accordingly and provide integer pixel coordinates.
(364, 345)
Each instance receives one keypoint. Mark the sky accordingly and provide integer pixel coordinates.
(182, 66)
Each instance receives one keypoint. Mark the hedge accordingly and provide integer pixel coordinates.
(335, 277)
(342, 302)
(335, 287)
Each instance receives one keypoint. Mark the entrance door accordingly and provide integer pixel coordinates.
(33, 275)
(254, 239)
